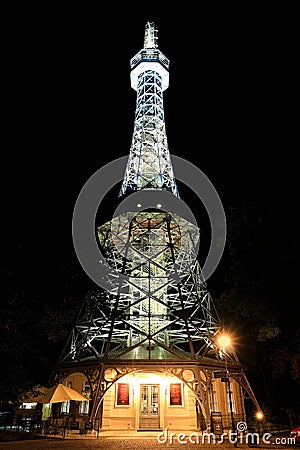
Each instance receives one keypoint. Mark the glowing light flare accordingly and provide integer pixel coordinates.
(224, 340)
(259, 415)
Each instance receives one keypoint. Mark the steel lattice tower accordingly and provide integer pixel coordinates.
(161, 314)
(149, 165)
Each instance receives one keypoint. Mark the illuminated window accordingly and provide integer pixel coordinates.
(86, 392)
(65, 406)
(84, 407)
(213, 404)
(28, 405)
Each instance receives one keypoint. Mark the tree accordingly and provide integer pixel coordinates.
(260, 300)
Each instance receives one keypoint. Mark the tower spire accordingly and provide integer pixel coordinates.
(149, 164)
(150, 39)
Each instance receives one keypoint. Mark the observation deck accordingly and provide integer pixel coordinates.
(149, 59)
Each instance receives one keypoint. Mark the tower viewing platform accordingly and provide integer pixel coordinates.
(149, 59)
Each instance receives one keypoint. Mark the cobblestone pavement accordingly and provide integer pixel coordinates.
(127, 444)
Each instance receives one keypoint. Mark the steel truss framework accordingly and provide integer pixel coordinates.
(149, 314)
(151, 320)
(149, 164)
(159, 316)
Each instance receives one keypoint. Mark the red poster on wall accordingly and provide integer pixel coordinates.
(175, 394)
(123, 394)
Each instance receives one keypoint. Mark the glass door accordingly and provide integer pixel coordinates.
(149, 407)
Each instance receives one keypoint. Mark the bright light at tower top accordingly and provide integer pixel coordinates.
(150, 39)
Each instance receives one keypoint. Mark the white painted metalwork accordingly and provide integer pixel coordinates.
(149, 163)
(150, 39)
(163, 309)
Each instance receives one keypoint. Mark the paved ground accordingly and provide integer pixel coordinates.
(86, 443)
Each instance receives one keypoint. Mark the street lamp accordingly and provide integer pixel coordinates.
(224, 342)
(259, 417)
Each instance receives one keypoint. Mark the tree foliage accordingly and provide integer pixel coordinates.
(260, 303)
(40, 297)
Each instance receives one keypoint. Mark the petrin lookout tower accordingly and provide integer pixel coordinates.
(146, 351)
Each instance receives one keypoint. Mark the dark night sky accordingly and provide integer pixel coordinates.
(231, 109)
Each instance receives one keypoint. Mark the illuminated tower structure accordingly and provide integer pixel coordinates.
(146, 351)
